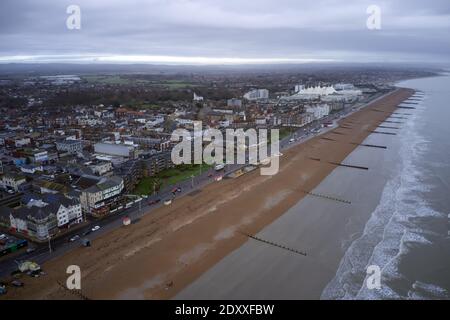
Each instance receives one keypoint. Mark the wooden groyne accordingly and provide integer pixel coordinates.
(273, 244)
(383, 132)
(387, 127)
(318, 195)
(348, 165)
(368, 145)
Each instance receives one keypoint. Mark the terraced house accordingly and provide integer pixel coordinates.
(101, 195)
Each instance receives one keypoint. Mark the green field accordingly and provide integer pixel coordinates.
(128, 80)
(168, 177)
(113, 79)
(176, 84)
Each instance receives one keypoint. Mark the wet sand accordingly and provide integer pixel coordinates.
(173, 246)
(323, 228)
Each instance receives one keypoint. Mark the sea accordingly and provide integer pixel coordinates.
(407, 236)
(396, 225)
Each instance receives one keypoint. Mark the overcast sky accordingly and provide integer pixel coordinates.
(224, 31)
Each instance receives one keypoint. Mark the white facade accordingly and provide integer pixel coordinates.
(11, 181)
(22, 142)
(95, 196)
(317, 90)
(234, 102)
(197, 98)
(257, 94)
(155, 122)
(112, 149)
(69, 214)
(40, 156)
(72, 146)
(299, 87)
(184, 121)
(18, 223)
(101, 168)
(318, 111)
(31, 169)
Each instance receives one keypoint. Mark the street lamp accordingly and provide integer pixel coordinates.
(49, 244)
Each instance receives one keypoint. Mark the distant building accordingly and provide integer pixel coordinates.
(295, 120)
(35, 222)
(299, 87)
(344, 86)
(22, 142)
(235, 103)
(197, 98)
(149, 142)
(42, 216)
(260, 121)
(67, 210)
(101, 167)
(131, 172)
(11, 181)
(257, 94)
(327, 94)
(31, 168)
(71, 146)
(318, 111)
(97, 198)
(121, 150)
(156, 163)
(37, 155)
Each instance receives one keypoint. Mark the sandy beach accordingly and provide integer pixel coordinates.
(165, 252)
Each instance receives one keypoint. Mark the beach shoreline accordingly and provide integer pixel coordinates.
(170, 248)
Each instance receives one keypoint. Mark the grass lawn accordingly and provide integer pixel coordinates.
(169, 177)
(284, 132)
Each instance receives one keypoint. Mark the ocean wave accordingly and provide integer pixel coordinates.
(392, 231)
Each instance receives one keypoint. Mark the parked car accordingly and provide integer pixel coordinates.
(95, 228)
(167, 202)
(152, 202)
(17, 283)
(31, 249)
(3, 289)
(74, 238)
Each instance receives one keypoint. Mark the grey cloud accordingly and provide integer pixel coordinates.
(328, 29)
